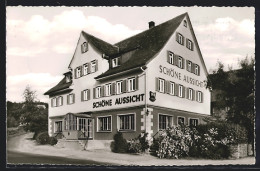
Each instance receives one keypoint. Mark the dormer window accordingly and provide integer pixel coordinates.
(116, 62)
(68, 78)
(84, 47)
(185, 23)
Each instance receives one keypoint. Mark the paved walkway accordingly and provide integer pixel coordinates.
(23, 143)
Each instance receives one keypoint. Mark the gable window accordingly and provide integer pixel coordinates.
(93, 66)
(58, 126)
(85, 69)
(126, 122)
(104, 123)
(85, 95)
(180, 120)
(196, 70)
(172, 88)
(165, 121)
(185, 23)
(161, 85)
(180, 38)
(119, 87)
(98, 92)
(131, 84)
(189, 44)
(78, 72)
(116, 62)
(189, 64)
(170, 57)
(71, 98)
(199, 96)
(108, 89)
(180, 62)
(193, 122)
(84, 47)
(181, 90)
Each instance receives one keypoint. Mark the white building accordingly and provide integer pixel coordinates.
(145, 83)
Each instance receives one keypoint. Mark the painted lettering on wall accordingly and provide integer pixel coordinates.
(119, 101)
(177, 75)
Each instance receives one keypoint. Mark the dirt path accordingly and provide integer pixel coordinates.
(23, 143)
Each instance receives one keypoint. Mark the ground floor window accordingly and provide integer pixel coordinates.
(126, 122)
(104, 123)
(194, 122)
(181, 120)
(70, 122)
(165, 121)
(58, 126)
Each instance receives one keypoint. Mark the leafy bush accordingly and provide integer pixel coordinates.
(42, 138)
(119, 145)
(53, 140)
(139, 144)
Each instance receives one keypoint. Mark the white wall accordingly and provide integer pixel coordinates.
(166, 100)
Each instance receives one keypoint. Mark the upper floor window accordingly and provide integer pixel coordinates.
(197, 70)
(190, 94)
(165, 121)
(161, 85)
(131, 84)
(199, 96)
(170, 58)
(185, 23)
(172, 88)
(71, 98)
(84, 47)
(60, 101)
(108, 89)
(54, 102)
(85, 95)
(78, 72)
(181, 91)
(85, 69)
(189, 65)
(180, 38)
(189, 44)
(119, 86)
(116, 62)
(94, 66)
(180, 62)
(98, 92)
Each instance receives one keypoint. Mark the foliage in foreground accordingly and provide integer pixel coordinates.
(119, 145)
(139, 144)
(43, 138)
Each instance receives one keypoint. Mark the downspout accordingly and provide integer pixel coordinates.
(145, 102)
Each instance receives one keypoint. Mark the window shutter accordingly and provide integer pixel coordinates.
(113, 87)
(102, 94)
(175, 59)
(73, 98)
(187, 93)
(168, 85)
(136, 82)
(82, 95)
(183, 63)
(157, 84)
(187, 66)
(187, 40)
(177, 36)
(89, 68)
(192, 67)
(176, 91)
(81, 70)
(94, 93)
(88, 94)
(165, 86)
(198, 70)
(193, 95)
(168, 56)
(202, 97)
(61, 100)
(183, 91)
(124, 86)
(51, 102)
(68, 99)
(75, 73)
(183, 40)
(96, 69)
(196, 95)
(192, 46)
(119, 61)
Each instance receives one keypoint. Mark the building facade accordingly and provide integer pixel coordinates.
(145, 83)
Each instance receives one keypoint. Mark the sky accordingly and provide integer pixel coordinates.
(41, 40)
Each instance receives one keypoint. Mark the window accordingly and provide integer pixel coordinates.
(85, 95)
(126, 122)
(181, 91)
(85, 69)
(172, 88)
(70, 98)
(185, 23)
(189, 64)
(161, 85)
(68, 78)
(165, 121)
(194, 122)
(170, 57)
(98, 92)
(179, 38)
(54, 102)
(116, 62)
(58, 126)
(196, 71)
(94, 66)
(78, 72)
(181, 120)
(190, 94)
(108, 89)
(60, 101)
(70, 122)
(180, 62)
(104, 123)
(119, 87)
(84, 47)
(199, 96)
(131, 84)
(189, 44)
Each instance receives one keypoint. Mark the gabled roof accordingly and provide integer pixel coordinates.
(147, 45)
(60, 86)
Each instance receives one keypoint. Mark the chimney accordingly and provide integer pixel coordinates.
(151, 24)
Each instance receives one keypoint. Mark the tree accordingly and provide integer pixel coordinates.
(236, 90)
(33, 118)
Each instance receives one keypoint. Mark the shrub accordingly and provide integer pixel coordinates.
(139, 144)
(119, 145)
(52, 140)
(42, 138)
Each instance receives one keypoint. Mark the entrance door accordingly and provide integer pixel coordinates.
(85, 127)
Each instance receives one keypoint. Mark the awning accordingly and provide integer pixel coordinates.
(81, 114)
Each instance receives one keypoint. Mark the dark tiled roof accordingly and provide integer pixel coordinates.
(60, 86)
(148, 44)
(101, 45)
